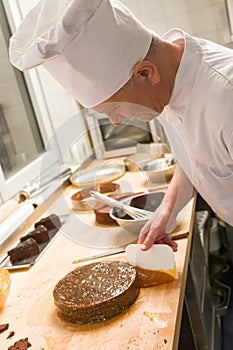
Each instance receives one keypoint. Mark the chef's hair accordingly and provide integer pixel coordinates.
(155, 49)
(153, 55)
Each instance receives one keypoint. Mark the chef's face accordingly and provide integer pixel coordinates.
(135, 100)
(117, 111)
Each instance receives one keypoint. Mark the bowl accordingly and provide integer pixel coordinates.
(159, 170)
(159, 149)
(148, 201)
(5, 283)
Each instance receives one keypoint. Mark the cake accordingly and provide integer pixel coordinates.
(102, 214)
(24, 250)
(40, 234)
(4, 327)
(96, 292)
(22, 344)
(50, 222)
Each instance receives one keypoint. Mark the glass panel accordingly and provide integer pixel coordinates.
(20, 139)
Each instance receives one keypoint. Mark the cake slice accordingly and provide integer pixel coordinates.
(50, 222)
(154, 266)
(24, 250)
(40, 234)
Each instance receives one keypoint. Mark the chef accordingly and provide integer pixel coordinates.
(109, 61)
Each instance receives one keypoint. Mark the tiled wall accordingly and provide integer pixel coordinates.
(206, 18)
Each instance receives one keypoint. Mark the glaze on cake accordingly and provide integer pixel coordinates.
(96, 292)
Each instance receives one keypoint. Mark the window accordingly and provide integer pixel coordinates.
(22, 141)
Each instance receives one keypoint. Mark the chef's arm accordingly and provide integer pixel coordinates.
(178, 194)
(163, 221)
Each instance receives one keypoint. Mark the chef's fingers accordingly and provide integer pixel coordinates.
(148, 238)
(144, 232)
(148, 242)
(155, 234)
(142, 238)
(150, 233)
(167, 240)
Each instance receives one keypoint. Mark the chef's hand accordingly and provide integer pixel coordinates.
(155, 230)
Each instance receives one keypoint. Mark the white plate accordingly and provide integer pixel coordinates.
(107, 171)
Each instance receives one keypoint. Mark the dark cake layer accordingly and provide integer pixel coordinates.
(96, 292)
(24, 250)
(40, 234)
(50, 222)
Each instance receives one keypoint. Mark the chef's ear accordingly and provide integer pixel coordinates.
(146, 70)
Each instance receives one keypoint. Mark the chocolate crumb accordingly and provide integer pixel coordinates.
(22, 344)
(165, 341)
(10, 335)
(4, 327)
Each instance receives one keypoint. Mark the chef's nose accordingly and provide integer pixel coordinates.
(115, 118)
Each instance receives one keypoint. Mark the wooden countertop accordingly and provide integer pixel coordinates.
(153, 321)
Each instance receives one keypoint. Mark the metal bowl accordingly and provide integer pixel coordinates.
(159, 170)
(148, 201)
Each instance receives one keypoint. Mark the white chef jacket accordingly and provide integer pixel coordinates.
(198, 120)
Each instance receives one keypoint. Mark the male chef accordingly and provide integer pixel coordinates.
(109, 61)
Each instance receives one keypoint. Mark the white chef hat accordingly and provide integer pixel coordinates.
(89, 46)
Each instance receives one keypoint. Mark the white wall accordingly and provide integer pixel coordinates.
(205, 18)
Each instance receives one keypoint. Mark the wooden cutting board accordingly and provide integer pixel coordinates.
(149, 324)
(152, 323)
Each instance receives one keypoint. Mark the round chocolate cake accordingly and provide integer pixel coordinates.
(96, 292)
